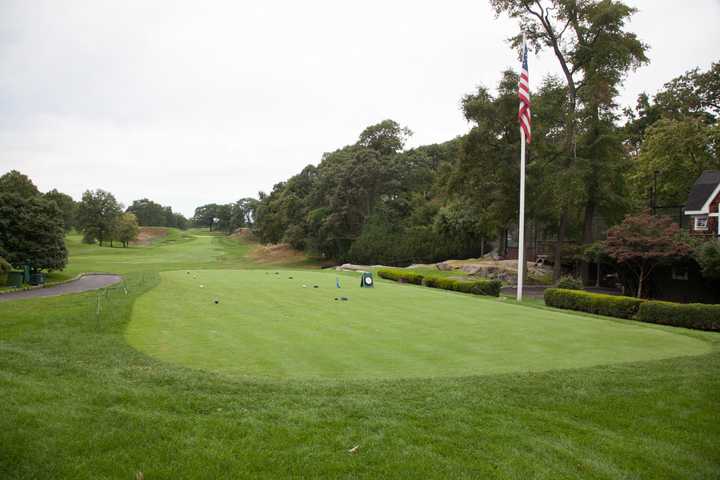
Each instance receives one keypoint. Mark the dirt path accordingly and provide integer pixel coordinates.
(82, 284)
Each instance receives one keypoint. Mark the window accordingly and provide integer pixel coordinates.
(701, 222)
(679, 273)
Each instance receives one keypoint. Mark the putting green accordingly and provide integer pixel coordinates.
(267, 324)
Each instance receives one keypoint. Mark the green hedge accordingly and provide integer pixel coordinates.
(401, 276)
(698, 316)
(476, 287)
(692, 315)
(599, 304)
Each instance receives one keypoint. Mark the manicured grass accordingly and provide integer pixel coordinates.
(180, 249)
(275, 324)
(79, 402)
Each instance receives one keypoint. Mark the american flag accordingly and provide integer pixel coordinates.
(524, 94)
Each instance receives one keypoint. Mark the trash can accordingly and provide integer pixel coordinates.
(37, 278)
(26, 273)
(15, 278)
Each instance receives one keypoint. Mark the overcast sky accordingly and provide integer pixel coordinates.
(189, 102)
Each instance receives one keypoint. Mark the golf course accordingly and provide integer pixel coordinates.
(276, 324)
(207, 362)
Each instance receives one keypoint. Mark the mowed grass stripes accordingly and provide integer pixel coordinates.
(268, 324)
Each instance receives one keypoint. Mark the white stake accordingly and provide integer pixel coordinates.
(521, 229)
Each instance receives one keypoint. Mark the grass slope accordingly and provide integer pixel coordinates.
(179, 249)
(268, 324)
(79, 402)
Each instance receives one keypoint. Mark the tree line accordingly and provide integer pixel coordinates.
(590, 163)
(33, 224)
(226, 217)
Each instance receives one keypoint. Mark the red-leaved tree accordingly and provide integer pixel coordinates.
(643, 241)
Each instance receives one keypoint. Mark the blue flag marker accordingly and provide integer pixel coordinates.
(337, 282)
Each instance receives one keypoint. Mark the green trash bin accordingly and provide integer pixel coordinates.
(15, 278)
(37, 278)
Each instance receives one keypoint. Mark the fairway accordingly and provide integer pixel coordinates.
(267, 325)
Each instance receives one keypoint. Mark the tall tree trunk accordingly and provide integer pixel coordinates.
(553, 37)
(590, 208)
(557, 264)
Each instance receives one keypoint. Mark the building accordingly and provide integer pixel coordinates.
(703, 204)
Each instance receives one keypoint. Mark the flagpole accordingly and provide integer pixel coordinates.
(521, 223)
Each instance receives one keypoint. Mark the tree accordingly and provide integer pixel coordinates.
(674, 137)
(485, 178)
(126, 228)
(67, 206)
(325, 208)
(385, 137)
(205, 215)
(243, 213)
(97, 215)
(150, 213)
(596, 253)
(677, 151)
(31, 232)
(694, 93)
(707, 256)
(16, 182)
(180, 221)
(594, 52)
(641, 242)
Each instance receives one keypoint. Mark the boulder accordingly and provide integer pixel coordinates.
(478, 270)
(349, 267)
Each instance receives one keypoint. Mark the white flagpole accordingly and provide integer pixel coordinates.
(521, 229)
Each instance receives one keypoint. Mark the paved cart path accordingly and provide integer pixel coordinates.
(82, 284)
(538, 291)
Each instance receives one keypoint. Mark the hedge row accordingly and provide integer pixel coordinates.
(401, 276)
(477, 287)
(694, 315)
(599, 304)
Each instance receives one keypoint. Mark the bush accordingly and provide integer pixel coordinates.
(476, 287)
(599, 304)
(5, 267)
(707, 256)
(568, 282)
(401, 276)
(693, 315)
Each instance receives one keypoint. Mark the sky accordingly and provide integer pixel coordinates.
(188, 102)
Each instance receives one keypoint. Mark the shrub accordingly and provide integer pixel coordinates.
(5, 267)
(599, 304)
(486, 287)
(693, 315)
(707, 256)
(568, 282)
(476, 287)
(400, 276)
(439, 282)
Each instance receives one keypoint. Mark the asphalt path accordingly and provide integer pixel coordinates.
(82, 284)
